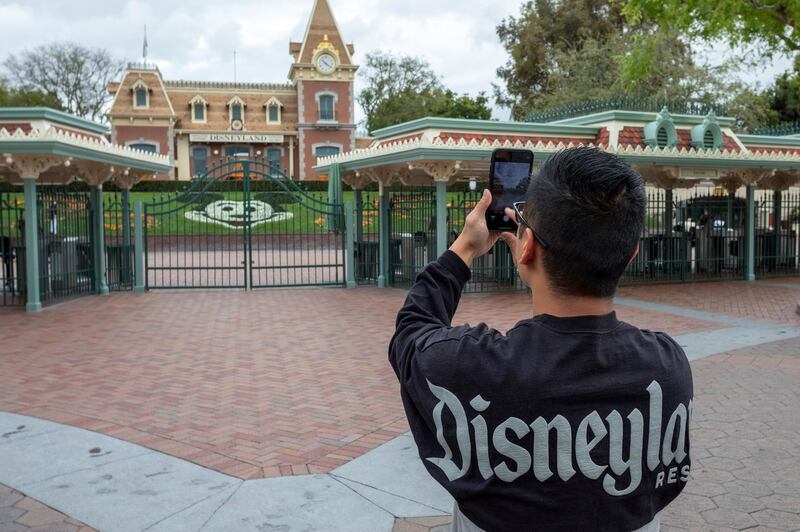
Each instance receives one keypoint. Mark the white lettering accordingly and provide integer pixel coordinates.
(446, 464)
(541, 448)
(668, 454)
(654, 435)
(660, 479)
(583, 447)
(685, 473)
(671, 479)
(481, 437)
(616, 463)
(511, 450)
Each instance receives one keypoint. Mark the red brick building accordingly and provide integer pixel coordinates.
(198, 123)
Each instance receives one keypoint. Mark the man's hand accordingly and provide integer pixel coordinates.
(476, 239)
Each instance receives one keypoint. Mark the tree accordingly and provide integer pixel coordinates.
(403, 88)
(11, 97)
(544, 29)
(773, 23)
(76, 75)
(785, 96)
(563, 52)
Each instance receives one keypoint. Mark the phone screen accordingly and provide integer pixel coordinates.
(509, 182)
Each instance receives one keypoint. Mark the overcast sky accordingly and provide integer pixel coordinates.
(195, 39)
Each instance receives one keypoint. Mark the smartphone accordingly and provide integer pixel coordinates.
(509, 176)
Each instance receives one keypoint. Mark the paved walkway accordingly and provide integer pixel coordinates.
(206, 390)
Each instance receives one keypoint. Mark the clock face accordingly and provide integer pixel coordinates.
(326, 63)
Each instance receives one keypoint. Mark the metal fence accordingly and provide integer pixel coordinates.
(492, 272)
(690, 236)
(66, 236)
(368, 223)
(118, 231)
(777, 233)
(412, 232)
(12, 245)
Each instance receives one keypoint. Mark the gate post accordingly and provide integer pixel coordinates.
(750, 235)
(383, 236)
(441, 218)
(350, 258)
(126, 235)
(100, 241)
(138, 252)
(359, 206)
(34, 303)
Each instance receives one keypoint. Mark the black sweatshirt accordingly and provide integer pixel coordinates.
(577, 423)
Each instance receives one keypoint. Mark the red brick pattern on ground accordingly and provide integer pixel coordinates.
(252, 384)
(19, 513)
(754, 301)
(745, 438)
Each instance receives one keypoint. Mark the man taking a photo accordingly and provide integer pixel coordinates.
(572, 420)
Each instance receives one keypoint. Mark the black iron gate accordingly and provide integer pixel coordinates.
(244, 224)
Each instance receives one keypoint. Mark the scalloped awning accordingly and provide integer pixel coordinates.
(473, 156)
(68, 148)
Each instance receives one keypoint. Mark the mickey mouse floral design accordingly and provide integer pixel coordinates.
(231, 214)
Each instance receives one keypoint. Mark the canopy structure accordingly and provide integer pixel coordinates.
(44, 146)
(671, 151)
(684, 148)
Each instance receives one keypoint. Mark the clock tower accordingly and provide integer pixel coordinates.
(323, 74)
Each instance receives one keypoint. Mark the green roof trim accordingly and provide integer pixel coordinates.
(768, 140)
(434, 153)
(640, 116)
(51, 115)
(482, 126)
(53, 147)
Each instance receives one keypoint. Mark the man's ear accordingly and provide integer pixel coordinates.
(635, 253)
(529, 246)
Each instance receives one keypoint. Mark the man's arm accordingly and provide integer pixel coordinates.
(428, 310)
(432, 301)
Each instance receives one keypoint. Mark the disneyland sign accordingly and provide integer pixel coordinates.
(236, 137)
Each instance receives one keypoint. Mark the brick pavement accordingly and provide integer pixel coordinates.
(755, 301)
(258, 384)
(19, 513)
(287, 382)
(745, 446)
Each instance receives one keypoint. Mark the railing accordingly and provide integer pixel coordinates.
(652, 105)
(788, 128)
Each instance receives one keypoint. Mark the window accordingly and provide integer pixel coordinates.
(200, 160)
(199, 112)
(708, 140)
(662, 140)
(274, 161)
(237, 151)
(236, 112)
(141, 94)
(274, 113)
(326, 107)
(141, 97)
(327, 151)
(144, 146)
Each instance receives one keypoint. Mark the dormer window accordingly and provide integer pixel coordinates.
(708, 140)
(141, 95)
(236, 112)
(662, 138)
(661, 133)
(326, 102)
(199, 111)
(273, 106)
(708, 135)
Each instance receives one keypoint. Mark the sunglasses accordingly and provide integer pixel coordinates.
(519, 206)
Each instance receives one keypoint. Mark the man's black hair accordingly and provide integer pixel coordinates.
(589, 207)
